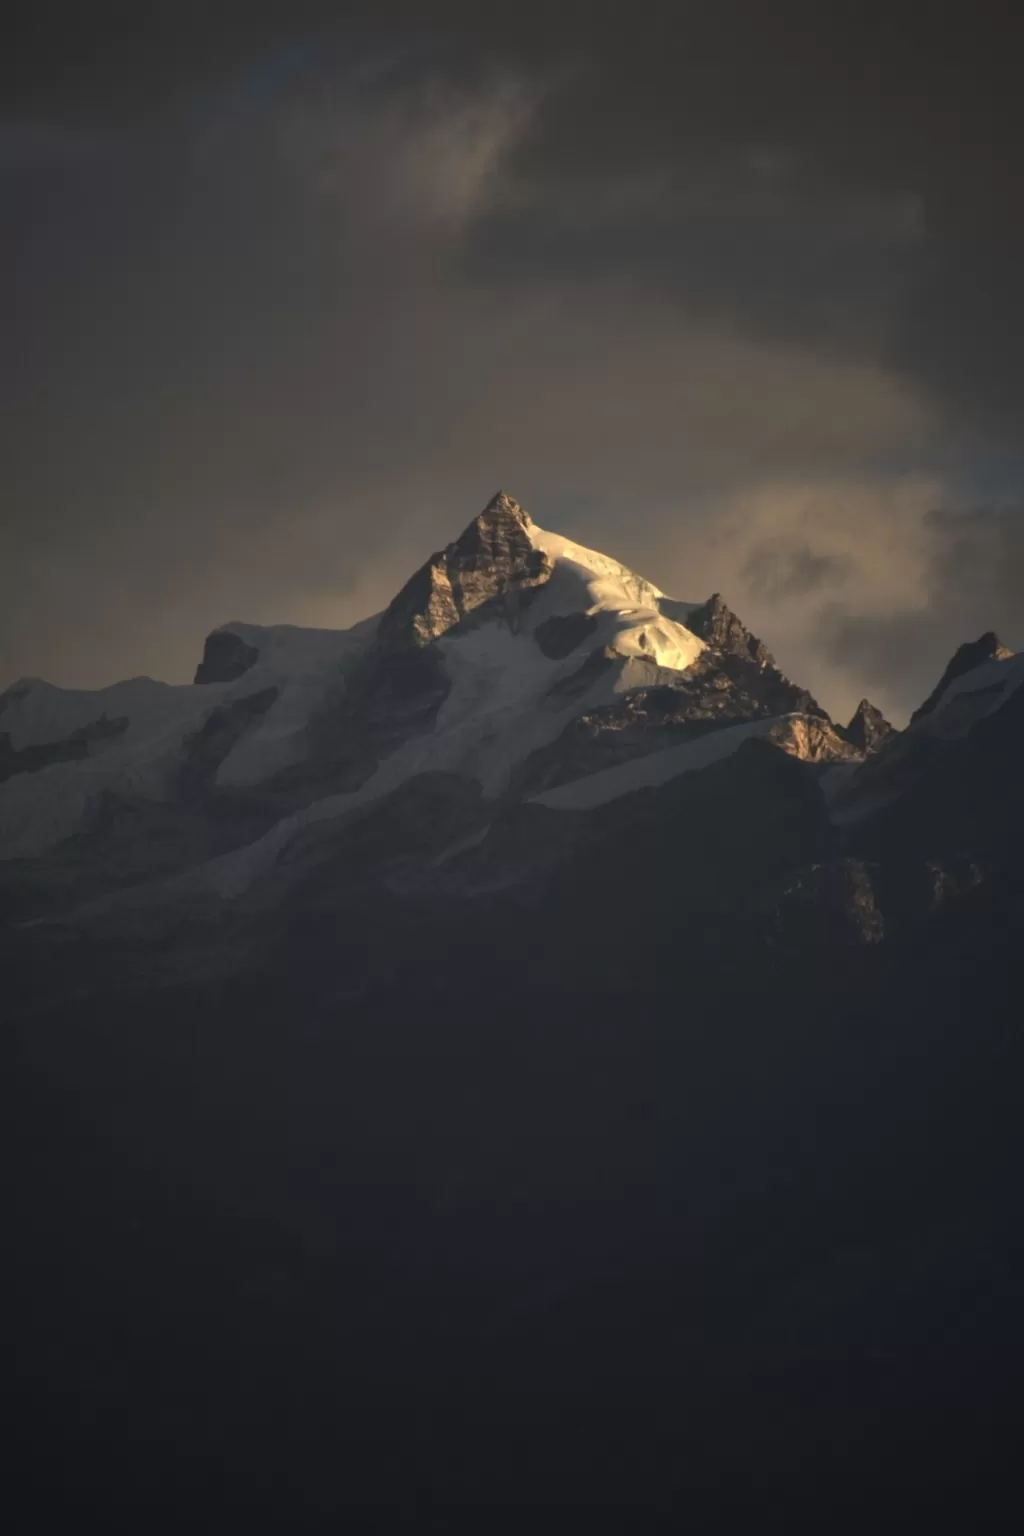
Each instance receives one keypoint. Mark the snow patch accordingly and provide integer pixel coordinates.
(613, 585)
(639, 620)
(304, 664)
(42, 808)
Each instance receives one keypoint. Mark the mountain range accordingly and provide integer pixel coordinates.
(515, 1054)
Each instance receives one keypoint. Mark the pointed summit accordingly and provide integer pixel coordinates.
(725, 633)
(717, 625)
(504, 508)
(868, 728)
(492, 562)
(988, 647)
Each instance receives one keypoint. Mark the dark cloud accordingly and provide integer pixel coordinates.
(739, 239)
(294, 288)
(849, 173)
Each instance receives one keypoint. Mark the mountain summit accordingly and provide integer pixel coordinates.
(490, 567)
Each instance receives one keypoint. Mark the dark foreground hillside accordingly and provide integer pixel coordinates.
(574, 1208)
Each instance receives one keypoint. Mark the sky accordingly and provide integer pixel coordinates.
(733, 292)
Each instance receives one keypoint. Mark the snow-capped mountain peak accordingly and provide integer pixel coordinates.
(514, 660)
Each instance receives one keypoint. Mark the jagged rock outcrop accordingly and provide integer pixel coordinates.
(868, 728)
(743, 686)
(226, 657)
(716, 624)
(492, 565)
(988, 647)
(726, 634)
(810, 738)
(719, 689)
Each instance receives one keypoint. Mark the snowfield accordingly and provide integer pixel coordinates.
(41, 808)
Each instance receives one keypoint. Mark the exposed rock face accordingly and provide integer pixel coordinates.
(210, 745)
(399, 685)
(743, 686)
(831, 904)
(951, 879)
(868, 728)
(391, 695)
(562, 633)
(720, 688)
(594, 665)
(725, 633)
(987, 647)
(811, 739)
(71, 749)
(719, 627)
(492, 566)
(395, 689)
(225, 658)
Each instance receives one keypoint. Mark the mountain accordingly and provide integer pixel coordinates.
(868, 728)
(515, 1054)
(965, 663)
(514, 661)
